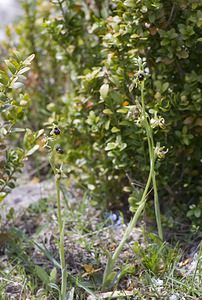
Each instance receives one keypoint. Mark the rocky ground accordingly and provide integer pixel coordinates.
(89, 234)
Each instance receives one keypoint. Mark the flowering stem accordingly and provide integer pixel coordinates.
(61, 226)
(157, 207)
(151, 178)
(61, 241)
(152, 157)
(134, 220)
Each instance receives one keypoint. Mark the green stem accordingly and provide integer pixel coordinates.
(131, 225)
(134, 220)
(61, 242)
(157, 207)
(154, 183)
(156, 198)
(152, 158)
(152, 177)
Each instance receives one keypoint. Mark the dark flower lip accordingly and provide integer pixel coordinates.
(59, 149)
(140, 76)
(56, 131)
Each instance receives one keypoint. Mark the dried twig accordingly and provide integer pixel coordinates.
(111, 295)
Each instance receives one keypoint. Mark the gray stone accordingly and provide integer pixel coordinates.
(22, 196)
(10, 11)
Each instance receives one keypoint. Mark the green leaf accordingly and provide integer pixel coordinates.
(18, 130)
(104, 90)
(11, 185)
(91, 187)
(117, 97)
(18, 56)
(45, 251)
(107, 111)
(110, 278)
(15, 63)
(3, 78)
(42, 274)
(53, 275)
(122, 110)
(107, 124)
(135, 36)
(54, 287)
(22, 71)
(197, 212)
(189, 213)
(115, 129)
(165, 86)
(123, 146)
(110, 146)
(31, 151)
(11, 67)
(17, 85)
(40, 133)
(2, 196)
(2, 97)
(29, 59)
(129, 3)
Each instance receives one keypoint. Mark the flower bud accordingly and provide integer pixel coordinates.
(59, 149)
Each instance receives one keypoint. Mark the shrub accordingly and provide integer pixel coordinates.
(13, 104)
(85, 55)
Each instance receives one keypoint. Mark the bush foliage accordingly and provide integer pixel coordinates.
(84, 81)
(13, 105)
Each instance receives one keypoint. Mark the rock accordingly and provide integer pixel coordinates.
(10, 10)
(22, 196)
